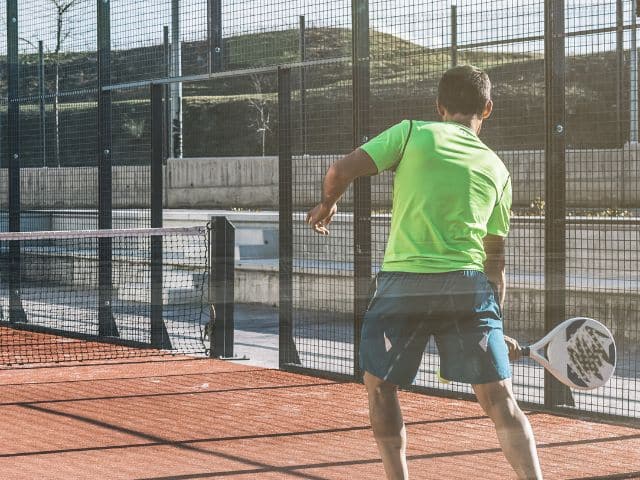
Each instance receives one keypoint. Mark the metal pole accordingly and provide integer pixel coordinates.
(167, 89)
(454, 35)
(362, 186)
(176, 88)
(16, 313)
(633, 83)
(223, 259)
(555, 393)
(288, 353)
(106, 323)
(159, 334)
(303, 93)
(214, 33)
(619, 69)
(43, 132)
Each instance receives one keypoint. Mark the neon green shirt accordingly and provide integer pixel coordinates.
(450, 190)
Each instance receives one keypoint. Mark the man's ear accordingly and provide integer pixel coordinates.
(440, 109)
(488, 108)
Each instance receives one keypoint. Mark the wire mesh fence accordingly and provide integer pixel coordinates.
(565, 124)
(60, 295)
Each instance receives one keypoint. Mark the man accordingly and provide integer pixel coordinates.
(443, 269)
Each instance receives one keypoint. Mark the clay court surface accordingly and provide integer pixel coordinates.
(185, 418)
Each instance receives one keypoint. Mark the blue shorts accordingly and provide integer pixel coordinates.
(459, 309)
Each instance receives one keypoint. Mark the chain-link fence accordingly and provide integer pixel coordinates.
(310, 80)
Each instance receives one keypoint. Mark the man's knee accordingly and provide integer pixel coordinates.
(497, 400)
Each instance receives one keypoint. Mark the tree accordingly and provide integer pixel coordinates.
(262, 120)
(62, 7)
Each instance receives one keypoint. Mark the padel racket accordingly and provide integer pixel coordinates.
(580, 352)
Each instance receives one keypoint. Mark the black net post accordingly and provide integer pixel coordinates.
(555, 393)
(362, 186)
(287, 348)
(214, 33)
(16, 314)
(222, 288)
(159, 335)
(106, 325)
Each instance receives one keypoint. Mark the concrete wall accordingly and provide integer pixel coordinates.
(595, 178)
(76, 187)
(222, 182)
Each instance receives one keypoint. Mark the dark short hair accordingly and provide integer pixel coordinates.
(464, 89)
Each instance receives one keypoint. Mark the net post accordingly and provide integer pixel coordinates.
(288, 352)
(222, 278)
(106, 323)
(555, 393)
(362, 185)
(159, 334)
(16, 313)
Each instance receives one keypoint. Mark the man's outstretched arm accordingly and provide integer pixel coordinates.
(494, 268)
(336, 181)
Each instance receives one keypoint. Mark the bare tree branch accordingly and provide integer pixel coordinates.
(28, 42)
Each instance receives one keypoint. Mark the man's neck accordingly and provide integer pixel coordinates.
(474, 122)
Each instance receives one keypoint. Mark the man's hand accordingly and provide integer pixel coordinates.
(515, 350)
(320, 216)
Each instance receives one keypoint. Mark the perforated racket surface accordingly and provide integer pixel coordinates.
(580, 352)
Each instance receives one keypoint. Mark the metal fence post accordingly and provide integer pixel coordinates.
(176, 87)
(555, 393)
(16, 314)
(362, 186)
(222, 276)
(167, 89)
(619, 68)
(214, 33)
(106, 324)
(288, 353)
(159, 335)
(454, 35)
(43, 129)
(303, 88)
(633, 76)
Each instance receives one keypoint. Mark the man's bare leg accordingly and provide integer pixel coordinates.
(388, 426)
(512, 426)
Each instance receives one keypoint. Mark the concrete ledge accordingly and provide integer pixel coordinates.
(595, 178)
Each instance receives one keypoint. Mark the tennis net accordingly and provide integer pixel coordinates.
(96, 294)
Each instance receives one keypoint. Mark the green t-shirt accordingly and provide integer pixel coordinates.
(450, 190)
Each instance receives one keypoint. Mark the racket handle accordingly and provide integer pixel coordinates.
(525, 351)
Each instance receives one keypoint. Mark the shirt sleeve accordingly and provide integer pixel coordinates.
(386, 149)
(498, 223)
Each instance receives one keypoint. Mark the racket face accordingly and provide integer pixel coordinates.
(585, 352)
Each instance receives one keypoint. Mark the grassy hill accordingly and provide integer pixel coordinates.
(220, 115)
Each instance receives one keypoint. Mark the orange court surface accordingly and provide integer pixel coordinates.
(186, 418)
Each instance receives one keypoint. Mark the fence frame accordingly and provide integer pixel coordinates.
(362, 186)
(556, 395)
(107, 325)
